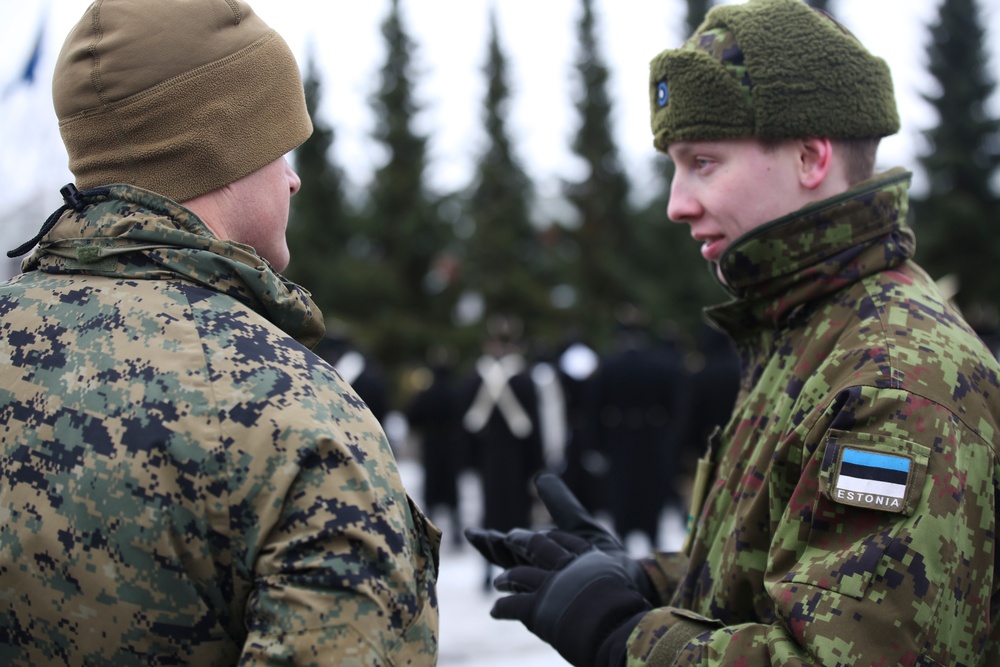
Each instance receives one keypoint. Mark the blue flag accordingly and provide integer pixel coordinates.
(30, 70)
(28, 75)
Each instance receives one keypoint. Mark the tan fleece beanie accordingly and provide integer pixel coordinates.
(180, 97)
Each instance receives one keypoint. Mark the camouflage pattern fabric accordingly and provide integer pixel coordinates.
(852, 516)
(181, 481)
(721, 44)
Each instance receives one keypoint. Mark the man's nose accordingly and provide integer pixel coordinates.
(682, 206)
(294, 182)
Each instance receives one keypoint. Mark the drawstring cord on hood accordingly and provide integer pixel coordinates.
(75, 199)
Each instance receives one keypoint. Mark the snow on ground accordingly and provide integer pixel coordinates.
(469, 637)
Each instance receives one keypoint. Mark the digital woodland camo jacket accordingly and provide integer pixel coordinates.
(851, 516)
(182, 482)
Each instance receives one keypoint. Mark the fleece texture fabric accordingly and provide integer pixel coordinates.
(772, 69)
(180, 97)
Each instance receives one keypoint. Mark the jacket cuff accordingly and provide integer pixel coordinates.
(662, 634)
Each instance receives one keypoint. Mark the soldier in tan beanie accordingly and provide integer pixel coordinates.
(846, 515)
(182, 481)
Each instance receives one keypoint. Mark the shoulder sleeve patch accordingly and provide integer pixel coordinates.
(874, 472)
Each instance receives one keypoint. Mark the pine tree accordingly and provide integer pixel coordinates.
(955, 219)
(502, 240)
(402, 241)
(603, 279)
(320, 221)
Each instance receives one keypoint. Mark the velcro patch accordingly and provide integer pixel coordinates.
(873, 471)
(865, 478)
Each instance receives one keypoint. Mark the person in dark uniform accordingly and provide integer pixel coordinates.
(434, 415)
(500, 422)
(636, 396)
(585, 468)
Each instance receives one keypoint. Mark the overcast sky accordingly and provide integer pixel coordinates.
(539, 37)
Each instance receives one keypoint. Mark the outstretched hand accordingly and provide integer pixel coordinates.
(548, 549)
(575, 597)
(507, 550)
(570, 515)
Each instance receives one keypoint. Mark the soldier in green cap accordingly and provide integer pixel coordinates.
(182, 481)
(846, 514)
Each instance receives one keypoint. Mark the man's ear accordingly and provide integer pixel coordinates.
(815, 161)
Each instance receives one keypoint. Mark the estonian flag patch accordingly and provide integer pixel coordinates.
(870, 479)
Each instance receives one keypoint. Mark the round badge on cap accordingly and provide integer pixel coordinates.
(662, 94)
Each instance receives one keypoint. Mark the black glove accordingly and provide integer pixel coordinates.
(578, 599)
(570, 517)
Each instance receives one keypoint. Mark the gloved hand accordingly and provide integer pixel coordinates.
(506, 549)
(577, 598)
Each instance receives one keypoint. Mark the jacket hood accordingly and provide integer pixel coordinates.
(129, 233)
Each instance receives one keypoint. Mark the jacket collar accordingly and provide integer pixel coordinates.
(777, 268)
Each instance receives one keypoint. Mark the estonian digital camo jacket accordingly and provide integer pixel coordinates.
(181, 480)
(850, 518)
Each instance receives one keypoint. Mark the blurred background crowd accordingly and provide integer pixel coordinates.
(623, 426)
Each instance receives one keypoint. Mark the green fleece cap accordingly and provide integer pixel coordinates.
(180, 97)
(772, 69)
